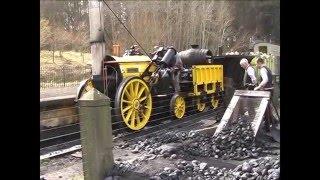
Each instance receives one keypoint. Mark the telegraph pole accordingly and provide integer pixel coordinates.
(97, 40)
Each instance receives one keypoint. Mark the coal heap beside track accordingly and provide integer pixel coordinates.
(235, 142)
(264, 168)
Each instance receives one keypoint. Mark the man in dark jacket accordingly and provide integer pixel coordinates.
(266, 76)
(266, 85)
(175, 70)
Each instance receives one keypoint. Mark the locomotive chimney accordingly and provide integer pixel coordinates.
(195, 46)
(220, 50)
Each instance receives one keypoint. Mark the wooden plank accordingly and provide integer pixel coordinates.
(206, 129)
(227, 114)
(57, 102)
(60, 152)
(259, 115)
(59, 98)
(264, 94)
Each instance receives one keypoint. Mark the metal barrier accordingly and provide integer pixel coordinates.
(63, 76)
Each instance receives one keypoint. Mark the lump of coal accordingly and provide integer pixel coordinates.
(203, 166)
(173, 156)
(246, 167)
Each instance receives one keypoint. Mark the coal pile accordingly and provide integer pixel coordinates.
(193, 170)
(156, 145)
(119, 169)
(235, 142)
(265, 168)
(153, 142)
(259, 169)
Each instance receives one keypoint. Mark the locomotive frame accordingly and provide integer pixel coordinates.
(125, 81)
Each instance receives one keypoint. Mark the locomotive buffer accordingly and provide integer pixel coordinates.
(253, 105)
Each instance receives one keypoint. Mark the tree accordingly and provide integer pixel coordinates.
(45, 33)
(176, 23)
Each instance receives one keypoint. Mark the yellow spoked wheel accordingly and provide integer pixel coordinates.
(200, 106)
(178, 106)
(133, 102)
(214, 102)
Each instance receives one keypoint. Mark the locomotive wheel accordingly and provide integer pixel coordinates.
(177, 106)
(214, 102)
(133, 102)
(86, 87)
(200, 106)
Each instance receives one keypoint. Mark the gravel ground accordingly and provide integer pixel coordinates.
(66, 167)
(184, 154)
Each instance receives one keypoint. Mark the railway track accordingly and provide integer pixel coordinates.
(54, 136)
(68, 135)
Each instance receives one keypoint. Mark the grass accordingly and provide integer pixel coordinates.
(68, 58)
(77, 177)
(66, 70)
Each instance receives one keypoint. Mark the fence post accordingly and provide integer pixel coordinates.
(96, 135)
(64, 77)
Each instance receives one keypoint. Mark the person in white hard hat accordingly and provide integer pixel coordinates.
(249, 76)
(249, 81)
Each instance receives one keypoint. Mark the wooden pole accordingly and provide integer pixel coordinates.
(97, 40)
